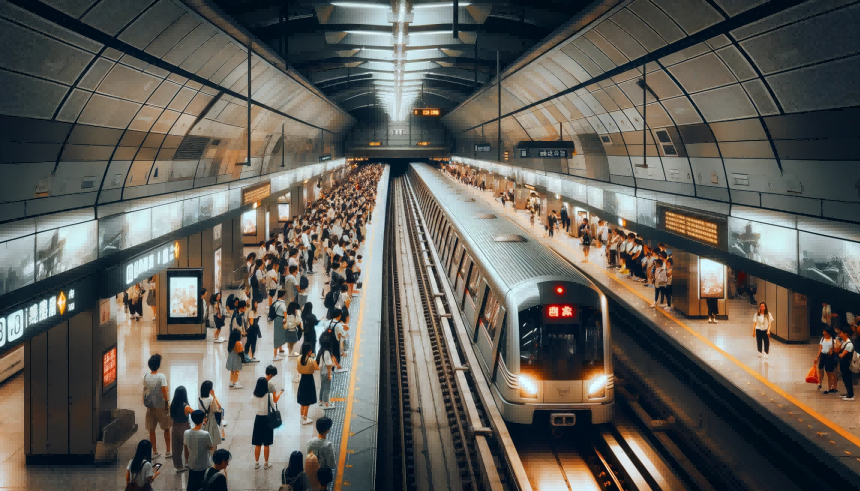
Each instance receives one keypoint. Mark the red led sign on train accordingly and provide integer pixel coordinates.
(560, 311)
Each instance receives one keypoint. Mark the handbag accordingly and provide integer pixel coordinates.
(274, 415)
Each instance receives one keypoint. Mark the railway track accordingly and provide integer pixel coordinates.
(447, 437)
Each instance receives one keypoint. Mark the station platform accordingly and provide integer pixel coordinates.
(728, 349)
(189, 362)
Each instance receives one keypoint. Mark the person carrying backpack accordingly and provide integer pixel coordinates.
(214, 478)
(276, 315)
(139, 474)
(156, 400)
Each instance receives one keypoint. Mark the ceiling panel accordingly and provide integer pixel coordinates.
(149, 25)
(729, 102)
(110, 16)
(692, 15)
(702, 73)
(35, 54)
(27, 96)
(129, 84)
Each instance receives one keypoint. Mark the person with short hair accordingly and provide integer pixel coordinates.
(215, 478)
(320, 445)
(845, 354)
(155, 384)
(198, 445)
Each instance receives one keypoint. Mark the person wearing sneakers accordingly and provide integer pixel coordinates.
(263, 433)
(216, 315)
(306, 395)
(321, 446)
(826, 362)
(156, 400)
(279, 334)
(660, 281)
(234, 356)
(761, 327)
(846, 353)
(198, 445)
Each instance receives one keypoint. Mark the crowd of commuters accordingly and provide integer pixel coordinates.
(327, 238)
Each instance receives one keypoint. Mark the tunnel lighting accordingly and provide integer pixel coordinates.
(439, 5)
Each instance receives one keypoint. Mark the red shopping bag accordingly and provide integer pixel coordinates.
(812, 376)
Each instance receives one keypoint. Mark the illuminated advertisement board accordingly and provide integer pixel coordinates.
(249, 223)
(109, 369)
(763, 243)
(184, 305)
(712, 279)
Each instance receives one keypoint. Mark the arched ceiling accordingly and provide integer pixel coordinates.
(347, 49)
(747, 103)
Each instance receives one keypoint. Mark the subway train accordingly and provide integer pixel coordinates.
(538, 326)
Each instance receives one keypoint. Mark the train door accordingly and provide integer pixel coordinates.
(470, 307)
(456, 264)
(487, 325)
(462, 277)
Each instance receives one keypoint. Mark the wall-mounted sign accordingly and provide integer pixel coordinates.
(712, 279)
(707, 229)
(121, 277)
(325, 158)
(482, 147)
(426, 112)
(42, 313)
(184, 305)
(423, 144)
(253, 194)
(109, 369)
(374, 144)
(546, 149)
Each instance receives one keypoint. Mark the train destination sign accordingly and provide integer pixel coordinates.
(482, 147)
(546, 149)
(426, 112)
(556, 153)
(707, 229)
(252, 194)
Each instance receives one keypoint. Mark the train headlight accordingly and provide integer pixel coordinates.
(597, 385)
(528, 387)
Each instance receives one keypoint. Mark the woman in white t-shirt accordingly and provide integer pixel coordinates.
(326, 364)
(139, 468)
(208, 403)
(263, 433)
(762, 321)
(826, 361)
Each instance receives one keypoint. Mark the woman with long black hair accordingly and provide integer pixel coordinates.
(306, 395)
(762, 321)
(294, 474)
(139, 468)
(263, 433)
(216, 315)
(215, 421)
(253, 332)
(309, 324)
(179, 411)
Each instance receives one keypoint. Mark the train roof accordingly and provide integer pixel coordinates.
(509, 262)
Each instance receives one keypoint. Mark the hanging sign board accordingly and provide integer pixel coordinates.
(482, 147)
(253, 194)
(325, 158)
(704, 228)
(545, 150)
(123, 276)
(37, 315)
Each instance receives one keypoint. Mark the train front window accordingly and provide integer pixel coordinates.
(561, 350)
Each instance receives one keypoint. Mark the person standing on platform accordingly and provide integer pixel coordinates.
(179, 411)
(215, 421)
(306, 395)
(273, 280)
(826, 362)
(198, 446)
(155, 398)
(278, 327)
(714, 309)
(234, 357)
(668, 290)
(215, 477)
(139, 469)
(293, 327)
(253, 334)
(762, 321)
(551, 222)
(846, 353)
(565, 219)
(263, 433)
(321, 446)
(309, 324)
(660, 281)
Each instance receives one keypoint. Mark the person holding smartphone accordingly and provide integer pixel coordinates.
(140, 469)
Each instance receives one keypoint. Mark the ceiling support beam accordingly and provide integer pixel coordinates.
(456, 20)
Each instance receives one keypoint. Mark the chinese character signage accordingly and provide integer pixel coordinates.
(109, 369)
(546, 153)
(45, 311)
(560, 311)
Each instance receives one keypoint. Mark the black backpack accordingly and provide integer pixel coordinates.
(210, 480)
(329, 299)
(255, 283)
(303, 283)
(272, 312)
(231, 299)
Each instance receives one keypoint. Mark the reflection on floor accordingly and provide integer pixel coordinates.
(186, 363)
(785, 369)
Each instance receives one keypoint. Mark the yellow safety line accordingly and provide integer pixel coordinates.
(344, 438)
(830, 424)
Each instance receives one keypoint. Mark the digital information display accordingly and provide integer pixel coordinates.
(183, 296)
(256, 193)
(483, 147)
(109, 369)
(426, 112)
(560, 311)
(701, 228)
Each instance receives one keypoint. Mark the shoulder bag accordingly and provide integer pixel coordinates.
(274, 415)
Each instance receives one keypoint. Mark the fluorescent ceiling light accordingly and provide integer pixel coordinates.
(438, 5)
(429, 33)
(378, 33)
(361, 5)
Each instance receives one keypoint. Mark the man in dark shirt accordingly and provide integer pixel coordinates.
(214, 479)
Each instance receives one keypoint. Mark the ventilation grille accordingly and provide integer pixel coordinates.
(741, 179)
(510, 238)
(669, 150)
(606, 139)
(485, 216)
(88, 183)
(663, 136)
(191, 148)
